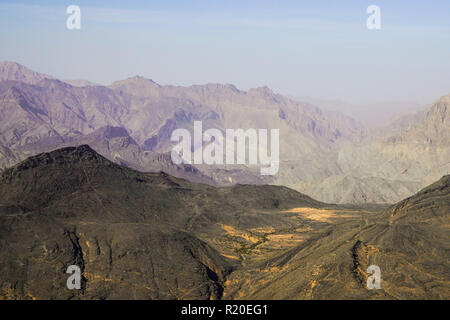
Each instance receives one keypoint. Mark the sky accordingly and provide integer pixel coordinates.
(317, 49)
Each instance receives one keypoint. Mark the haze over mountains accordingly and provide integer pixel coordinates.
(372, 114)
(324, 154)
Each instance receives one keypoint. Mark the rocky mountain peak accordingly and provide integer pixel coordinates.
(439, 110)
(14, 71)
(136, 80)
(263, 91)
(63, 155)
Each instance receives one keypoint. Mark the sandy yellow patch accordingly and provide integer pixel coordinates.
(322, 215)
(282, 241)
(230, 230)
(230, 256)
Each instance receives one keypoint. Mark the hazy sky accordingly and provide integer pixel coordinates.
(315, 48)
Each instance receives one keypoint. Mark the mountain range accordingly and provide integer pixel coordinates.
(141, 235)
(325, 154)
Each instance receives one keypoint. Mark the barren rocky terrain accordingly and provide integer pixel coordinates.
(153, 236)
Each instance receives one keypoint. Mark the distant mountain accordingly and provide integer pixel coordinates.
(7, 157)
(80, 83)
(12, 71)
(414, 156)
(372, 115)
(16, 72)
(322, 153)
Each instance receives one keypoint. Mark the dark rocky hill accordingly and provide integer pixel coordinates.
(133, 234)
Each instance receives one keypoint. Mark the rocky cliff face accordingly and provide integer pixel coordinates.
(402, 161)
